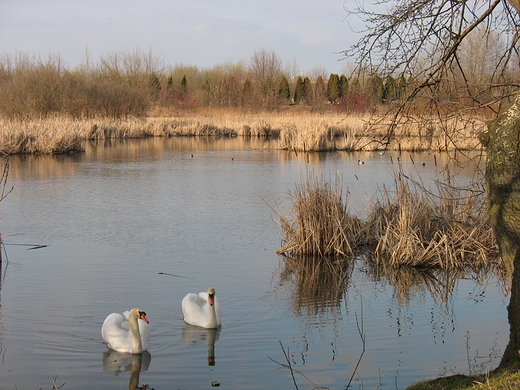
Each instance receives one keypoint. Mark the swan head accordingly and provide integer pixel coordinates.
(211, 296)
(139, 313)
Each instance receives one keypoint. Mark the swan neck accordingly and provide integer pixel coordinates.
(137, 345)
(212, 320)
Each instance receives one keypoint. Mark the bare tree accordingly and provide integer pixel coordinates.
(424, 41)
(266, 67)
(428, 40)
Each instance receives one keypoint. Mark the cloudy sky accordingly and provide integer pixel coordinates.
(203, 33)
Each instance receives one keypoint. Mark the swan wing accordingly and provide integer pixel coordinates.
(116, 334)
(195, 308)
(192, 309)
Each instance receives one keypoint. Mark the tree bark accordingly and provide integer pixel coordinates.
(502, 142)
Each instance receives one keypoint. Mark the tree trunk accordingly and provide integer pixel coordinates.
(512, 352)
(502, 142)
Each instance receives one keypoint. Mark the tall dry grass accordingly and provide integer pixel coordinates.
(292, 130)
(319, 223)
(408, 226)
(447, 228)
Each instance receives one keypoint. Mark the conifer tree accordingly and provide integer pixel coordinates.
(307, 89)
(284, 91)
(343, 85)
(184, 86)
(333, 88)
(320, 91)
(299, 90)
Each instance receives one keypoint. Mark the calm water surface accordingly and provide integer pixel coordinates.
(121, 219)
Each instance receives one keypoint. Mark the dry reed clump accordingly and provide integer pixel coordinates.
(39, 137)
(417, 228)
(320, 225)
(409, 227)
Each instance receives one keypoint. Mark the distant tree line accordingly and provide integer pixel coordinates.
(131, 83)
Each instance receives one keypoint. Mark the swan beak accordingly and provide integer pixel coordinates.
(143, 317)
(211, 299)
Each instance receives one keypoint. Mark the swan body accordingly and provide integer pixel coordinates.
(202, 309)
(128, 332)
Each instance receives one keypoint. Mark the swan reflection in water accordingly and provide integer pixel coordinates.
(117, 362)
(195, 334)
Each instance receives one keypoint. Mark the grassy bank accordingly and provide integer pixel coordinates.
(499, 380)
(293, 129)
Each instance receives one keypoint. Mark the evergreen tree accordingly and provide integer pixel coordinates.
(402, 84)
(320, 91)
(247, 92)
(375, 88)
(299, 90)
(354, 86)
(333, 88)
(390, 92)
(184, 86)
(343, 85)
(307, 89)
(284, 91)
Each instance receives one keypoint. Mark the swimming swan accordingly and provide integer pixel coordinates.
(202, 309)
(128, 332)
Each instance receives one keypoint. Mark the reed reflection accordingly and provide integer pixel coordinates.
(117, 362)
(318, 283)
(409, 281)
(195, 334)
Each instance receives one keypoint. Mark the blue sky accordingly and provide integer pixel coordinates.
(203, 33)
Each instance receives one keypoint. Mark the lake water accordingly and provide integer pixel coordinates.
(120, 220)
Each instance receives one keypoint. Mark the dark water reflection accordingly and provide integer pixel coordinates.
(122, 218)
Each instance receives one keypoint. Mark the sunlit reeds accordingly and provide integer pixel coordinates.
(292, 130)
(445, 229)
(407, 226)
(319, 223)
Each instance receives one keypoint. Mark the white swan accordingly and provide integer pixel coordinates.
(202, 309)
(128, 332)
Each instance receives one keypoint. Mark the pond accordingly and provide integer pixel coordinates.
(141, 223)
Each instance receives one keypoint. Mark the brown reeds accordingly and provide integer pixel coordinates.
(319, 283)
(445, 229)
(298, 131)
(320, 224)
(409, 226)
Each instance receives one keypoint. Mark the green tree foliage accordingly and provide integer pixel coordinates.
(184, 86)
(320, 91)
(299, 90)
(307, 89)
(284, 91)
(333, 88)
(391, 90)
(344, 85)
(374, 88)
